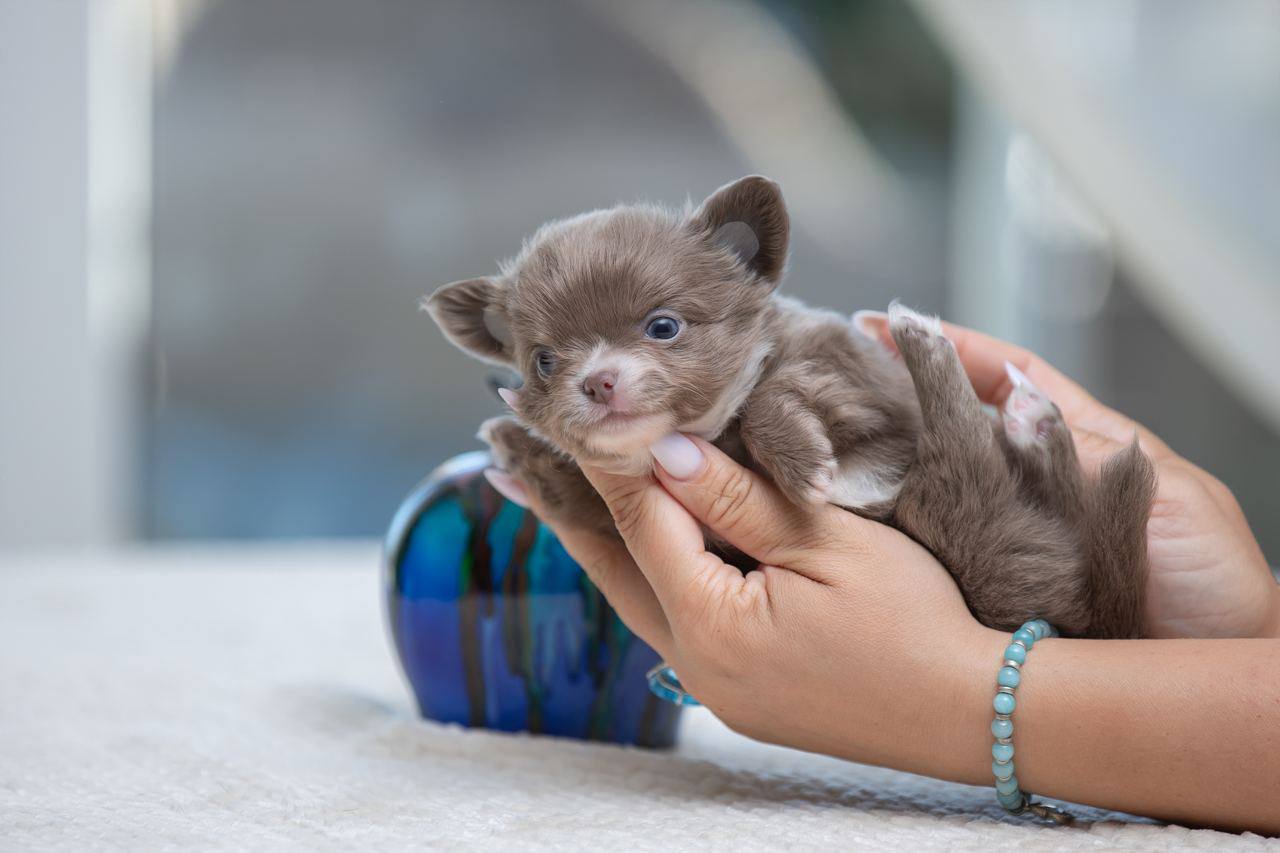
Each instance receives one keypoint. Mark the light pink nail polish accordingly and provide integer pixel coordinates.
(1016, 376)
(677, 455)
(511, 398)
(507, 486)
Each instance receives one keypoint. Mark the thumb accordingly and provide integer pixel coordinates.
(736, 503)
(666, 542)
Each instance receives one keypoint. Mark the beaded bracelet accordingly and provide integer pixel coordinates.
(1007, 680)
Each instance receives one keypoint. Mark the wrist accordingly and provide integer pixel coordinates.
(954, 743)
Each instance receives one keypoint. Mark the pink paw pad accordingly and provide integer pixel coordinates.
(1029, 415)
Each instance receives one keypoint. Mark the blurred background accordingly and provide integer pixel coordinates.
(217, 218)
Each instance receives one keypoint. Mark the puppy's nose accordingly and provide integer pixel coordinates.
(599, 385)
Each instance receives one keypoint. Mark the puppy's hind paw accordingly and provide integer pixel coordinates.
(903, 319)
(1029, 417)
(920, 340)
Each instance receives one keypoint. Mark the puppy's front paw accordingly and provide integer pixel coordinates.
(508, 441)
(561, 492)
(529, 459)
(821, 482)
(806, 474)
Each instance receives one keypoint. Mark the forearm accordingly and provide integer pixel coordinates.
(1184, 730)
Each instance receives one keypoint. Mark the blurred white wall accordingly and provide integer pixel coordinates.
(45, 419)
(73, 83)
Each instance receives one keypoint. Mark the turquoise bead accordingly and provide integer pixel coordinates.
(1011, 801)
(1004, 703)
(1002, 728)
(1008, 677)
(1025, 636)
(1007, 786)
(1043, 627)
(1034, 627)
(1002, 770)
(1015, 653)
(1002, 751)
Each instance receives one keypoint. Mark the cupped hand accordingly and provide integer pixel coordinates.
(825, 647)
(1208, 577)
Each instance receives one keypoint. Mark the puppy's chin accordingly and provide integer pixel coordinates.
(622, 444)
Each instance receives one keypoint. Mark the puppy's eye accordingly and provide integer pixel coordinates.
(662, 328)
(545, 360)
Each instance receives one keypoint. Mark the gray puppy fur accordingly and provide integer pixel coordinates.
(632, 322)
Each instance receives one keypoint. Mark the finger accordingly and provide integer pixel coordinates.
(666, 542)
(1094, 449)
(606, 562)
(736, 503)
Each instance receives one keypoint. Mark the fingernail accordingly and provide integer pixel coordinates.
(507, 486)
(677, 455)
(511, 398)
(870, 322)
(1016, 376)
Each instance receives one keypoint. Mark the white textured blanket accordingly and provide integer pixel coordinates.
(247, 699)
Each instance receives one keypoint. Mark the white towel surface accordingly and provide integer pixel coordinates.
(247, 699)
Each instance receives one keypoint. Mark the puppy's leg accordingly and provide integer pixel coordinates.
(959, 476)
(952, 415)
(554, 478)
(790, 442)
(1039, 447)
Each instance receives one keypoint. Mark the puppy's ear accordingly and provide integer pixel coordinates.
(749, 218)
(472, 314)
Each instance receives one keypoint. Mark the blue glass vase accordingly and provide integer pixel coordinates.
(497, 627)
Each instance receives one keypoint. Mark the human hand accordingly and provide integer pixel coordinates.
(829, 647)
(1208, 577)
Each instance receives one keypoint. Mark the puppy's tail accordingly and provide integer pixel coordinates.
(1117, 544)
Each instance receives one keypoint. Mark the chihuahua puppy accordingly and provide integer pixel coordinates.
(629, 323)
